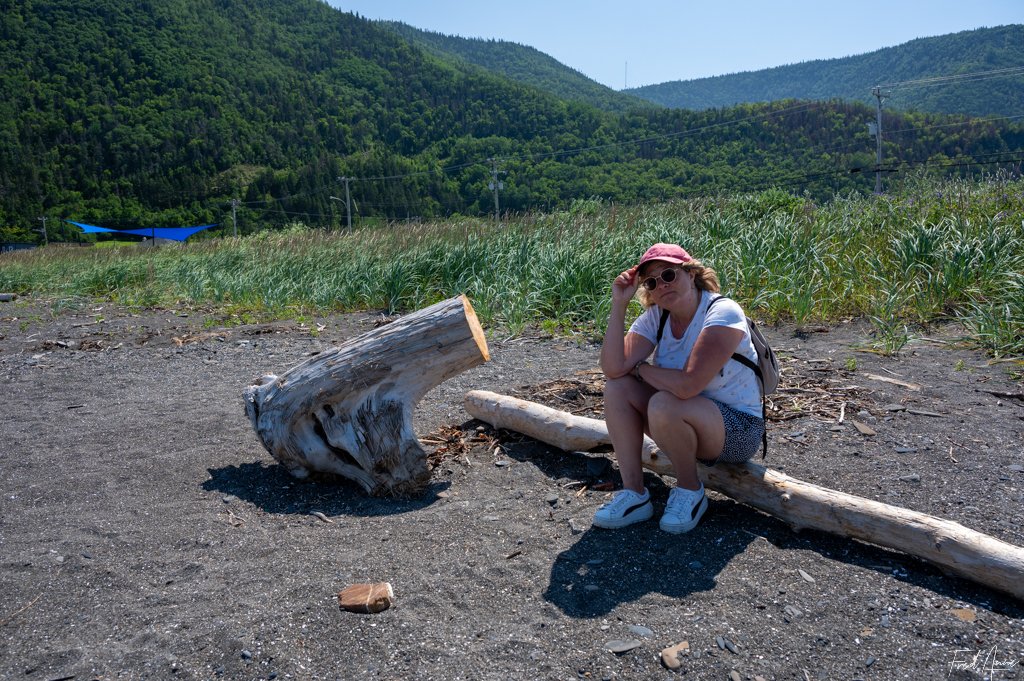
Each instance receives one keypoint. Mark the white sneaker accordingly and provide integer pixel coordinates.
(625, 508)
(684, 510)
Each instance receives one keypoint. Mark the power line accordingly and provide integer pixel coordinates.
(956, 79)
(906, 165)
(970, 121)
(277, 199)
(804, 179)
(883, 92)
(691, 131)
(959, 77)
(418, 173)
(658, 138)
(903, 131)
(792, 179)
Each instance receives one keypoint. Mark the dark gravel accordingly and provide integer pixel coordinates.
(145, 533)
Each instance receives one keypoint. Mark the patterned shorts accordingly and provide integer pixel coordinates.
(743, 434)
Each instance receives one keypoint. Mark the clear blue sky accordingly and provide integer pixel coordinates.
(654, 41)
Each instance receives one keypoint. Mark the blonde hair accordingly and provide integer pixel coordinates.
(705, 279)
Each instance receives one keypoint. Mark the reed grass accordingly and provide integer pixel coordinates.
(929, 251)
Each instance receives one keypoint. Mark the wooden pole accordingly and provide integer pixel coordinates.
(955, 548)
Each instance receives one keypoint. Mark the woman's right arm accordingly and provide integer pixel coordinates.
(621, 352)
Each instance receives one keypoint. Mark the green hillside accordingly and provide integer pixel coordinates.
(114, 108)
(522, 64)
(851, 78)
(141, 114)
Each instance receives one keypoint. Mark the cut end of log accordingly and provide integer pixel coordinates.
(475, 328)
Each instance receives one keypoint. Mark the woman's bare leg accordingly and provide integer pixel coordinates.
(685, 430)
(625, 403)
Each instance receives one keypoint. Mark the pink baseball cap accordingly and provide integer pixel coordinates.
(667, 252)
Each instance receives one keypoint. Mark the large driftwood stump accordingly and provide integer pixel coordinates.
(957, 549)
(349, 410)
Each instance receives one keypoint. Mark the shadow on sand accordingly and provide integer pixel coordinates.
(608, 567)
(273, 489)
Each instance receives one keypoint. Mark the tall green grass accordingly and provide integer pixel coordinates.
(930, 250)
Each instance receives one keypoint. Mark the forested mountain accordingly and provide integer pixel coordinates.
(984, 50)
(139, 113)
(107, 106)
(524, 65)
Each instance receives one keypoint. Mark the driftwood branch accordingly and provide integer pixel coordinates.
(957, 549)
(349, 410)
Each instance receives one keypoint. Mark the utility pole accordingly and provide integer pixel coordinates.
(234, 216)
(46, 239)
(877, 92)
(348, 202)
(495, 185)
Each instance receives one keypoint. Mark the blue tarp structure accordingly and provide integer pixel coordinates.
(172, 233)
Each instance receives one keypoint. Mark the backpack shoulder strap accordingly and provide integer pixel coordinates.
(661, 326)
(749, 363)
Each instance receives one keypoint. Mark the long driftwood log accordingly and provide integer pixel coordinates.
(349, 410)
(955, 548)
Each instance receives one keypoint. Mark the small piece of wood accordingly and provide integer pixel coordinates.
(366, 598)
(961, 551)
(894, 381)
(923, 412)
(349, 410)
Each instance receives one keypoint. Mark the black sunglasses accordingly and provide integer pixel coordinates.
(667, 276)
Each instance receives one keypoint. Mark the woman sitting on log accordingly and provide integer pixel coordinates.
(693, 400)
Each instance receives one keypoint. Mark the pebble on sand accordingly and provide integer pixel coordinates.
(619, 646)
(863, 428)
(791, 612)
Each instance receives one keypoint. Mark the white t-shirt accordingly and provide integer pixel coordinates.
(735, 385)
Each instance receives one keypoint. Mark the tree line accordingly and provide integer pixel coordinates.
(137, 114)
